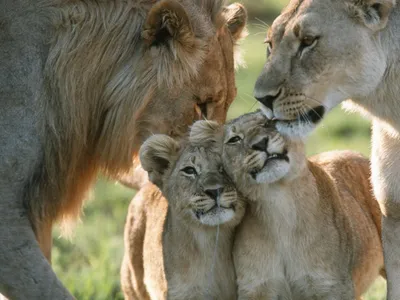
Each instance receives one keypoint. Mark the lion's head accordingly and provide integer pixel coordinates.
(320, 53)
(193, 180)
(118, 72)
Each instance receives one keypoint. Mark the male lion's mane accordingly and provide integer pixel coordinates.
(97, 83)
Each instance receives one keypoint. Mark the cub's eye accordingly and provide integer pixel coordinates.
(308, 41)
(234, 140)
(189, 171)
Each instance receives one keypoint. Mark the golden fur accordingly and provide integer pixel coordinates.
(83, 84)
(177, 254)
(316, 219)
(110, 84)
(322, 53)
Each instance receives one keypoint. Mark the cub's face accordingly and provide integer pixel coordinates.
(254, 152)
(193, 180)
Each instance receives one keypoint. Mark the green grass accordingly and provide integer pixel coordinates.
(89, 263)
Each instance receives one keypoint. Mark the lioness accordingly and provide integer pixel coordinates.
(323, 52)
(185, 250)
(82, 85)
(312, 226)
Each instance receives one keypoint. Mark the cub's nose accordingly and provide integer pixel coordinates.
(214, 193)
(260, 145)
(269, 99)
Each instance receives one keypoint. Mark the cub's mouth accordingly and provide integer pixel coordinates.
(215, 210)
(271, 158)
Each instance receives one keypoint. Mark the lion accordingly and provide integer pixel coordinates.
(181, 248)
(312, 226)
(321, 53)
(82, 86)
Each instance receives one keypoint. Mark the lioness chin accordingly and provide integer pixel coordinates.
(185, 251)
(311, 228)
(321, 53)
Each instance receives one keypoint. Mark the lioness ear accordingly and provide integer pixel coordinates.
(156, 156)
(205, 134)
(166, 21)
(375, 13)
(236, 18)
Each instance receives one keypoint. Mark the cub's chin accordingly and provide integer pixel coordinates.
(275, 167)
(300, 127)
(217, 215)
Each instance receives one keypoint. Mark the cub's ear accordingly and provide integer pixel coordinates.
(157, 154)
(236, 18)
(167, 21)
(206, 134)
(373, 13)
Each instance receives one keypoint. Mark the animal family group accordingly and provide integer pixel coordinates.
(224, 210)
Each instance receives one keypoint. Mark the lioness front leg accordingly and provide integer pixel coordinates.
(386, 183)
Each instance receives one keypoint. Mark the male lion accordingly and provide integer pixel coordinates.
(323, 52)
(312, 226)
(182, 248)
(82, 84)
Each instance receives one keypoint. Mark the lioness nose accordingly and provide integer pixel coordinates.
(214, 193)
(268, 99)
(260, 145)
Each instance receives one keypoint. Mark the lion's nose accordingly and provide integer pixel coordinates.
(260, 145)
(215, 193)
(269, 99)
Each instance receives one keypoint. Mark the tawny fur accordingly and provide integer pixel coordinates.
(312, 226)
(169, 253)
(354, 55)
(83, 84)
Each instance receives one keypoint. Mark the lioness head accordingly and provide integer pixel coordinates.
(320, 53)
(193, 180)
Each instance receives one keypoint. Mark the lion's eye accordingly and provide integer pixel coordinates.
(234, 140)
(189, 171)
(269, 46)
(308, 41)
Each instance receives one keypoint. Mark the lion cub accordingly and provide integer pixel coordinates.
(311, 228)
(187, 252)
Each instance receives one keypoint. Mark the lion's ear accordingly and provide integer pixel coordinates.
(375, 13)
(157, 154)
(236, 18)
(167, 21)
(205, 134)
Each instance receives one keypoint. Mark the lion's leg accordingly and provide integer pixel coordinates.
(45, 239)
(386, 184)
(24, 271)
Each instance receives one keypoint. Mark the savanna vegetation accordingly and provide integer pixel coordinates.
(88, 262)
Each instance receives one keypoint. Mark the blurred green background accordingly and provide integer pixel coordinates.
(89, 262)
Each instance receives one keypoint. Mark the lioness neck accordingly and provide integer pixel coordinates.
(198, 258)
(388, 90)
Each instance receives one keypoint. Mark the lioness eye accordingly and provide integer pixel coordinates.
(189, 171)
(234, 139)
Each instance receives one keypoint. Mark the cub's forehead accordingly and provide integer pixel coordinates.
(248, 121)
(199, 156)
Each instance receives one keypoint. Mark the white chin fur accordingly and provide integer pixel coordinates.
(267, 112)
(273, 173)
(218, 216)
(295, 129)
